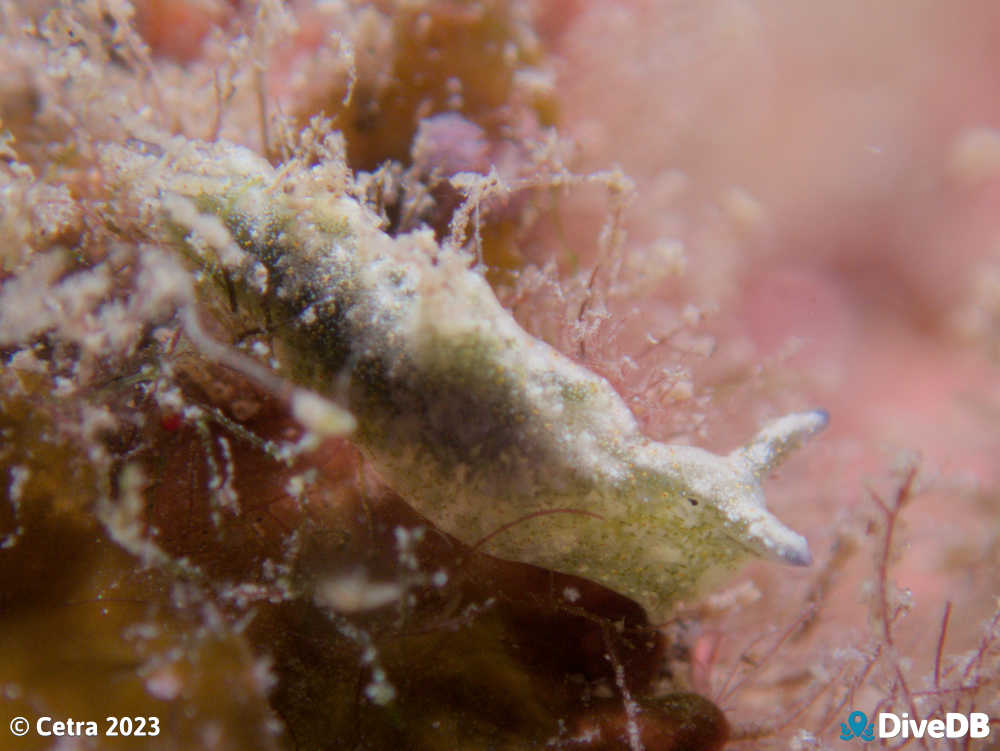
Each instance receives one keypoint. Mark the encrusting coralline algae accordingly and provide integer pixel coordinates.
(489, 432)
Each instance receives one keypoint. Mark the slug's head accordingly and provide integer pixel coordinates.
(723, 497)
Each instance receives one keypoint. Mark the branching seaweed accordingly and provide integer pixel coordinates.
(956, 683)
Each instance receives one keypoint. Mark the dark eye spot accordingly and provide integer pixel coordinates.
(693, 501)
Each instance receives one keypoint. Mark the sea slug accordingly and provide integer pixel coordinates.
(492, 434)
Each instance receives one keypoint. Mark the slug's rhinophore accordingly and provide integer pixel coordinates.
(489, 432)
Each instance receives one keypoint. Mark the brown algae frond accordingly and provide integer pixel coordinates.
(492, 434)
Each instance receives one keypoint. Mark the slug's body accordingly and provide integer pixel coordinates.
(477, 424)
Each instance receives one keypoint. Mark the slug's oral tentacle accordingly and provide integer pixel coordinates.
(472, 420)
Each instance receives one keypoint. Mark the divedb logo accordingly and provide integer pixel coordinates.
(890, 725)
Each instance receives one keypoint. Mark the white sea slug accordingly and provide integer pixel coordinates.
(487, 431)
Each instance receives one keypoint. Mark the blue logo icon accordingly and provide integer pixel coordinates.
(857, 727)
